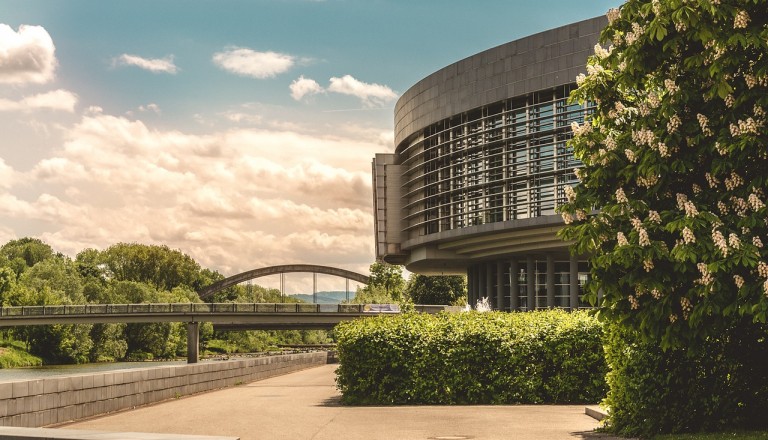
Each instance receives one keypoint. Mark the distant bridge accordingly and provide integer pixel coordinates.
(208, 291)
(238, 316)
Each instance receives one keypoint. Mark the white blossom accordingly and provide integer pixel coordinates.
(644, 240)
(719, 241)
(754, 202)
(733, 241)
(688, 236)
(620, 196)
(741, 21)
(621, 239)
(612, 14)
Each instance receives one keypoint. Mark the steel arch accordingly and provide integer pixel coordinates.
(207, 291)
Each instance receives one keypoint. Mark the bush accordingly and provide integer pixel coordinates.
(471, 358)
(720, 385)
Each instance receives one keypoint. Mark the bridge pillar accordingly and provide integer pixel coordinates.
(193, 342)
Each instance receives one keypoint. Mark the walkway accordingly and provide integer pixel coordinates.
(304, 406)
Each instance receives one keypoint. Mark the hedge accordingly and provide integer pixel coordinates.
(722, 384)
(547, 356)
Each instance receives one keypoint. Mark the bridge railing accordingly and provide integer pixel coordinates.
(206, 308)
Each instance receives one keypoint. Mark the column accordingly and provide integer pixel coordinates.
(550, 280)
(488, 291)
(514, 288)
(193, 342)
(500, 285)
(573, 289)
(470, 284)
(530, 281)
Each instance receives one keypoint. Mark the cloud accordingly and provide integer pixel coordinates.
(369, 94)
(233, 200)
(247, 62)
(62, 100)
(151, 107)
(304, 86)
(26, 56)
(154, 65)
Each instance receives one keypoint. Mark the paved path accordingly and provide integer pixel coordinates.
(304, 406)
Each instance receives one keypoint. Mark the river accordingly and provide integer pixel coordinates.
(32, 373)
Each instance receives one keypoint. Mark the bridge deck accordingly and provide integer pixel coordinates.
(280, 315)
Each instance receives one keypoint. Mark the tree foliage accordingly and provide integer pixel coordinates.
(675, 159)
(437, 289)
(386, 285)
(31, 273)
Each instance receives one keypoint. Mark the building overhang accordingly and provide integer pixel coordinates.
(454, 250)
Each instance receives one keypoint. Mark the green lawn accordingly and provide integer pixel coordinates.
(13, 355)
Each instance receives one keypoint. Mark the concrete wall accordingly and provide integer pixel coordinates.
(49, 401)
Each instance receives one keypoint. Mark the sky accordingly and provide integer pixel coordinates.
(240, 132)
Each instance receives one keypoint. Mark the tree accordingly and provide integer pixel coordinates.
(160, 266)
(31, 250)
(437, 289)
(671, 211)
(388, 277)
(674, 158)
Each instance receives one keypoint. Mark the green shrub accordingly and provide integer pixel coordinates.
(14, 355)
(720, 385)
(471, 358)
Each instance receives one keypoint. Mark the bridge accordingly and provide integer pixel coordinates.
(239, 316)
(208, 291)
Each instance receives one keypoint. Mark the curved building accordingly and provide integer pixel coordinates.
(479, 169)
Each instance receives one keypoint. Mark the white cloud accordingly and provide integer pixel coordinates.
(234, 200)
(370, 94)
(26, 56)
(302, 87)
(154, 65)
(62, 100)
(247, 62)
(151, 107)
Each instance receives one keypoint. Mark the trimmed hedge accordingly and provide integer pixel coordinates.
(547, 356)
(720, 385)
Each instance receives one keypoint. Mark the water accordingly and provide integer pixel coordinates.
(32, 373)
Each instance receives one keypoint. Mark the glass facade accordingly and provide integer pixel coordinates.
(504, 161)
(483, 282)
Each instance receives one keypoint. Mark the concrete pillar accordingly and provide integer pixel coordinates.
(500, 285)
(530, 281)
(481, 281)
(488, 292)
(573, 288)
(514, 288)
(193, 342)
(550, 280)
(470, 284)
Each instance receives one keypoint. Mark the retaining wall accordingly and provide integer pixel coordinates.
(43, 402)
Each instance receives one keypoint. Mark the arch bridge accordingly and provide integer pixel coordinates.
(206, 292)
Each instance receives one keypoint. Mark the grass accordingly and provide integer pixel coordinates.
(741, 435)
(13, 355)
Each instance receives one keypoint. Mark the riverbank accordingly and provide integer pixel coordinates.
(13, 355)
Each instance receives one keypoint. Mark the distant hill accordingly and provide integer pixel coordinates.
(327, 297)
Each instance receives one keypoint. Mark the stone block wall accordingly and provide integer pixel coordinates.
(43, 402)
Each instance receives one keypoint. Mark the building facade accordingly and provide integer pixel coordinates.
(480, 167)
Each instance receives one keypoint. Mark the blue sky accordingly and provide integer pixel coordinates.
(240, 132)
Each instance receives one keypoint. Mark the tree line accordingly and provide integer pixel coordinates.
(32, 273)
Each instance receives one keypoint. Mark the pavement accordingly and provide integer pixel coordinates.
(305, 406)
